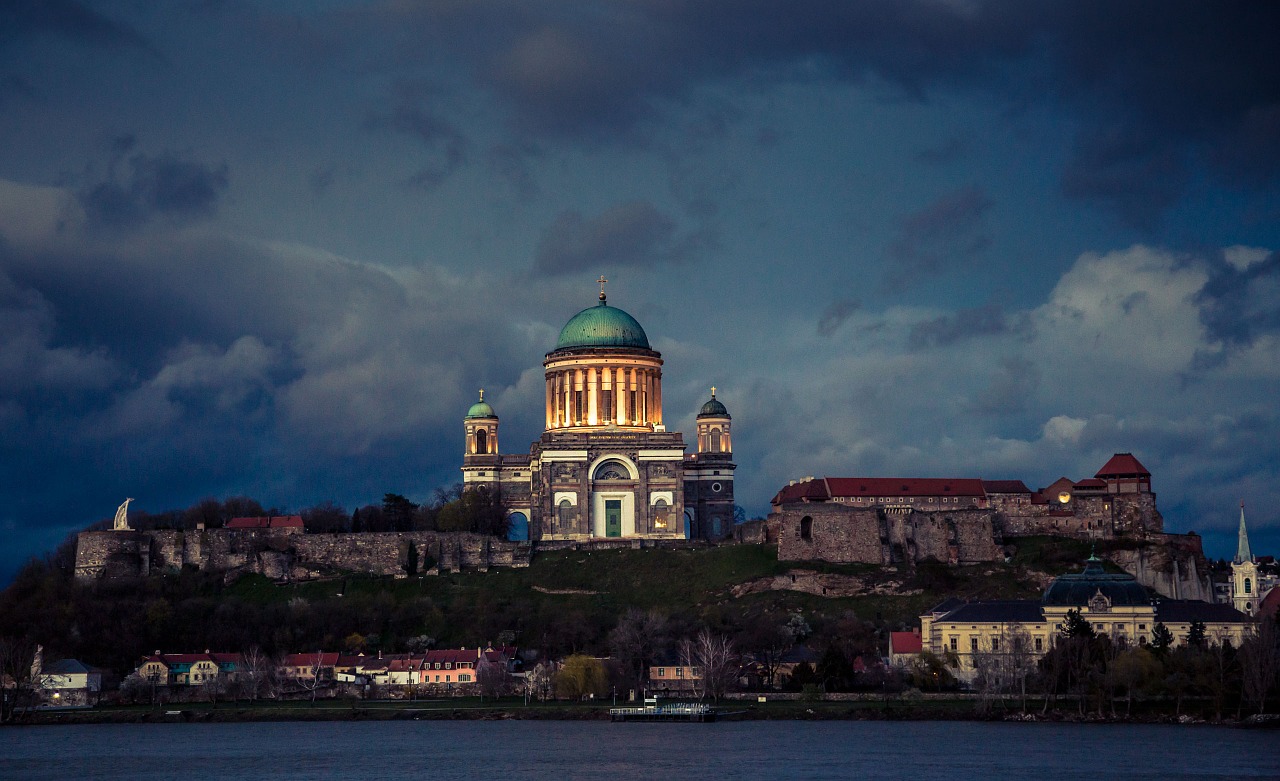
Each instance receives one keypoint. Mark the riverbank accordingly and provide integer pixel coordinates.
(473, 709)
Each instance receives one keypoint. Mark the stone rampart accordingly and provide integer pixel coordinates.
(288, 556)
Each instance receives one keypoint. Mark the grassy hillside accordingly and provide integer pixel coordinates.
(565, 601)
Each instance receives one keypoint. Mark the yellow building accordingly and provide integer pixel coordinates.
(1115, 605)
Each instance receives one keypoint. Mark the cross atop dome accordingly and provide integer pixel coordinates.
(602, 280)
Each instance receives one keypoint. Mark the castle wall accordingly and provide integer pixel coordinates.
(287, 556)
(840, 533)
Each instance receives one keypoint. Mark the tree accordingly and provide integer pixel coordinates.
(478, 510)
(637, 640)
(1259, 660)
(712, 661)
(1197, 636)
(581, 676)
(312, 681)
(538, 682)
(259, 675)
(493, 679)
(19, 662)
(1131, 670)
(835, 671)
(397, 512)
(411, 560)
(1161, 639)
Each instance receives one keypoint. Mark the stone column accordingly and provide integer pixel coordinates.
(550, 396)
(593, 401)
(620, 395)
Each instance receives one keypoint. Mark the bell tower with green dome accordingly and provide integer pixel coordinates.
(606, 466)
(708, 474)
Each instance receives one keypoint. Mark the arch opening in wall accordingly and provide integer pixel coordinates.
(1248, 586)
(806, 528)
(564, 517)
(518, 527)
(482, 441)
(715, 440)
(660, 512)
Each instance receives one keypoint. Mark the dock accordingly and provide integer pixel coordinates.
(674, 711)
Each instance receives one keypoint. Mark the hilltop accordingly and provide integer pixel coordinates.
(565, 601)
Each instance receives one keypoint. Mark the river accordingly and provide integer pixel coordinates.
(515, 750)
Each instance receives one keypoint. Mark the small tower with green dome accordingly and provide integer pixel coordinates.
(709, 474)
(481, 426)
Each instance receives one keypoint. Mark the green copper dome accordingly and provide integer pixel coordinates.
(602, 326)
(481, 409)
(713, 408)
(1076, 589)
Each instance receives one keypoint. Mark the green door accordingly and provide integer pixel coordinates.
(613, 517)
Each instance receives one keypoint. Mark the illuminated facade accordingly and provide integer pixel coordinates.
(605, 465)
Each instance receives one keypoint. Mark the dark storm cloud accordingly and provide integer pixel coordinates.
(445, 144)
(139, 187)
(948, 232)
(946, 330)
(1152, 93)
(629, 234)
(835, 315)
(1137, 173)
(1237, 306)
(21, 20)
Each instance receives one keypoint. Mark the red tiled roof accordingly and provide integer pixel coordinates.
(1005, 487)
(309, 660)
(1123, 465)
(905, 643)
(452, 656)
(267, 522)
(826, 488)
(904, 486)
(227, 658)
(1091, 482)
(180, 658)
(1270, 604)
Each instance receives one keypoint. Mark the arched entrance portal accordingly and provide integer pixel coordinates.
(613, 502)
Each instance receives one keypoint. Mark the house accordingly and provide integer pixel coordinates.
(69, 682)
(189, 669)
(674, 678)
(309, 666)
(904, 647)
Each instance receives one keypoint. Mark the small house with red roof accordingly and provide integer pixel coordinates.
(904, 648)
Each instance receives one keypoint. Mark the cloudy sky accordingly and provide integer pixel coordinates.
(274, 248)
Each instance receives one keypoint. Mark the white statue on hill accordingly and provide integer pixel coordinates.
(122, 517)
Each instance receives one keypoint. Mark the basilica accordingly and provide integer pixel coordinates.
(606, 466)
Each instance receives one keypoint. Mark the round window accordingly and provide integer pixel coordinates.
(715, 487)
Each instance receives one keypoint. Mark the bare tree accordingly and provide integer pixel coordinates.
(313, 680)
(18, 670)
(1259, 661)
(712, 662)
(538, 681)
(493, 679)
(259, 674)
(637, 639)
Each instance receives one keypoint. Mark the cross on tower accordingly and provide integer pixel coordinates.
(602, 280)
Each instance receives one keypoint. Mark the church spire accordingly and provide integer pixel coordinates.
(1242, 545)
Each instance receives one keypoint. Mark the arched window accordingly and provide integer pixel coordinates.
(1248, 586)
(660, 514)
(715, 440)
(482, 441)
(564, 515)
(611, 470)
(806, 528)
